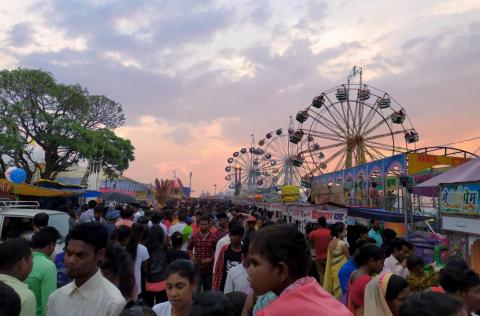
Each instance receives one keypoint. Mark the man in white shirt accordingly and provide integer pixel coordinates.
(138, 213)
(237, 277)
(397, 262)
(89, 293)
(182, 227)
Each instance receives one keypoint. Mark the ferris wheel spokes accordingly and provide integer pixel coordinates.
(324, 135)
(384, 135)
(378, 124)
(387, 147)
(330, 126)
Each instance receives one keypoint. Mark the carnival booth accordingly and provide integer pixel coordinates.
(458, 191)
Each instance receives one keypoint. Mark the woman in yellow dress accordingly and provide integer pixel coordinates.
(337, 255)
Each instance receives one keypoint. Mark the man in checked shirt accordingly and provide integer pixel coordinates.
(202, 250)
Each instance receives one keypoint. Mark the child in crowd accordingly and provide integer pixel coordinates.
(279, 263)
(418, 279)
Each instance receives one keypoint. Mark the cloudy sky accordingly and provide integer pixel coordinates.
(197, 78)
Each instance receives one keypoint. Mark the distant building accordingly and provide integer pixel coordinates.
(141, 191)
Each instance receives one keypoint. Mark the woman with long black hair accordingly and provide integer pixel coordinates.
(139, 254)
(157, 266)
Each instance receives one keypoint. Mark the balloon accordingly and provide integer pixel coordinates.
(18, 176)
(8, 172)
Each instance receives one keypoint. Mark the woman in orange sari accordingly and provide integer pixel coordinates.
(370, 262)
(337, 255)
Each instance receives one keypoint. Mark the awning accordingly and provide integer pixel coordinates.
(467, 172)
(90, 194)
(382, 215)
(32, 190)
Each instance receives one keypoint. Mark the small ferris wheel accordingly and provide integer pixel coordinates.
(352, 124)
(247, 170)
(286, 164)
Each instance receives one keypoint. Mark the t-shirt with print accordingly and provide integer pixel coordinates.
(231, 259)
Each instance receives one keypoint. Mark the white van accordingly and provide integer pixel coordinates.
(16, 220)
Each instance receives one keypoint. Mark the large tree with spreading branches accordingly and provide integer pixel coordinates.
(64, 123)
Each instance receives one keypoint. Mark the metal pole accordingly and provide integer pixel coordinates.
(190, 184)
(405, 213)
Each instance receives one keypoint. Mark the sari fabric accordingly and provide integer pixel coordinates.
(356, 294)
(335, 260)
(304, 297)
(375, 302)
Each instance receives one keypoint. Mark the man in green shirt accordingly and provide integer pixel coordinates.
(15, 266)
(43, 278)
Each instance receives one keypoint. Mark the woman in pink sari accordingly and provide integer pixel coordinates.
(370, 262)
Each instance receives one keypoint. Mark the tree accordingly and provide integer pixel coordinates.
(57, 118)
(104, 151)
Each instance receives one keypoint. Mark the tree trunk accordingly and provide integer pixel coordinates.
(84, 181)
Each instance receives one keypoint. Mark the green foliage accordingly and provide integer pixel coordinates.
(65, 121)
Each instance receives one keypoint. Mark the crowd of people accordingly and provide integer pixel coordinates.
(207, 257)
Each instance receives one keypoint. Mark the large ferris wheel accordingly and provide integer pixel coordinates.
(352, 124)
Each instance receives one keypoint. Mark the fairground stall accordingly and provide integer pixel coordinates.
(458, 192)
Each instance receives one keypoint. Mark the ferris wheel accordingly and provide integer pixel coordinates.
(286, 164)
(352, 124)
(248, 170)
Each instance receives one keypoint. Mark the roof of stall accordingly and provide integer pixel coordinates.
(382, 215)
(467, 172)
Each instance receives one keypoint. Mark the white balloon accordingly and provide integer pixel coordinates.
(8, 172)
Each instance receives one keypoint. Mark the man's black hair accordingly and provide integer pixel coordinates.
(92, 204)
(44, 237)
(362, 230)
(12, 251)
(431, 304)
(367, 252)
(211, 303)
(182, 215)
(398, 244)
(414, 261)
(40, 219)
(204, 218)
(237, 299)
(156, 217)
(322, 221)
(454, 280)
(236, 230)
(389, 234)
(10, 304)
(126, 213)
(94, 234)
(221, 214)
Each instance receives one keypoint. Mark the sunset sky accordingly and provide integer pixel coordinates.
(196, 78)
